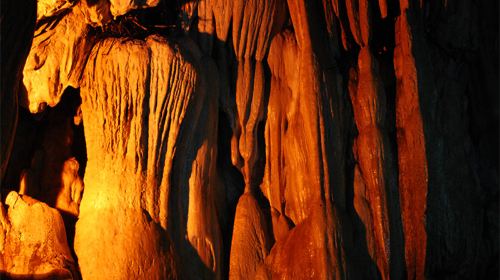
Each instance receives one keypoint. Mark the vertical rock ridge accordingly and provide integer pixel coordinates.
(411, 149)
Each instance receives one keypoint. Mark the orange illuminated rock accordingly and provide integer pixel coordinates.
(48, 8)
(70, 195)
(412, 160)
(137, 187)
(371, 149)
(56, 59)
(254, 24)
(302, 254)
(251, 238)
(97, 13)
(33, 251)
(121, 7)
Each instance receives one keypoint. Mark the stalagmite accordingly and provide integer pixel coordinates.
(146, 139)
(31, 251)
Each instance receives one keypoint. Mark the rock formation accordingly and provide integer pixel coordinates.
(249, 139)
(33, 250)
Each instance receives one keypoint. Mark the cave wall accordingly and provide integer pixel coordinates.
(253, 139)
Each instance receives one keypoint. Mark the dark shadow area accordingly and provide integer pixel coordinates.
(58, 274)
(63, 116)
(230, 177)
(456, 55)
(43, 143)
(25, 143)
(138, 24)
(339, 127)
(17, 26)
(382, 47)
(69, 224)
(192, 135)
(233, 185)
(260, 164)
